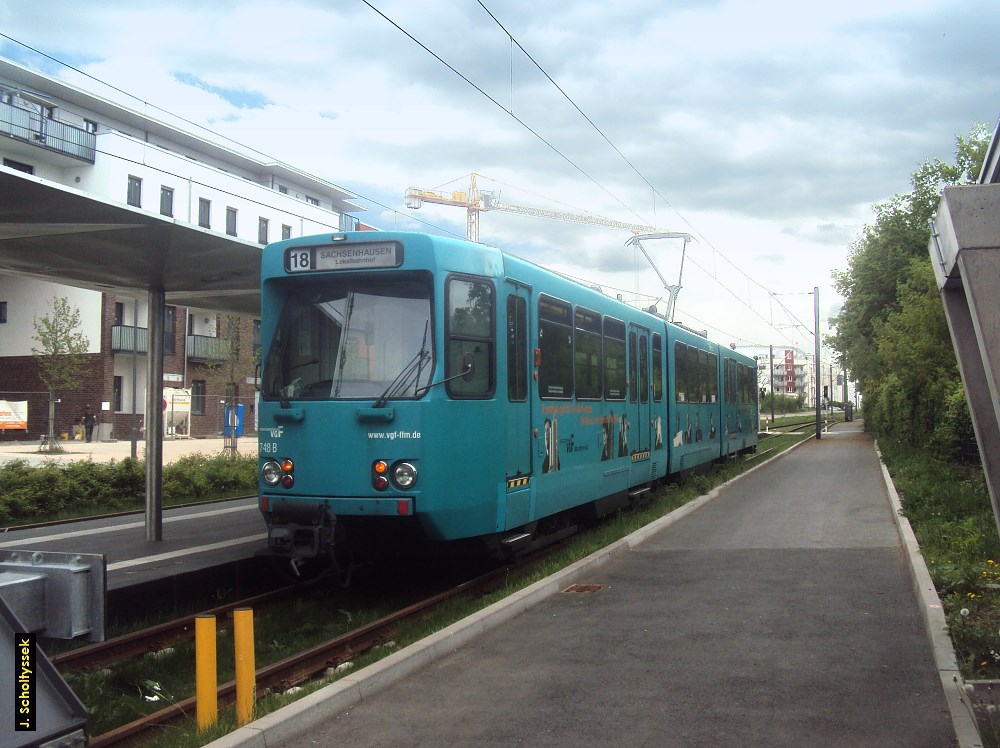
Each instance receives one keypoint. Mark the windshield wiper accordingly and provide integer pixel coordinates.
(405, 377)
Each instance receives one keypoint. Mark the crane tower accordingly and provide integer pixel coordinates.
(476, 202)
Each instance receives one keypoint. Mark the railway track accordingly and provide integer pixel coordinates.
(276, 677)
(157, 637)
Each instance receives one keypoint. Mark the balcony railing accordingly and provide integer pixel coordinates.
(50, 134)
(126, 339)
(204, 348)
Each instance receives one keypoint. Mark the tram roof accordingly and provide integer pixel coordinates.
(63, 235)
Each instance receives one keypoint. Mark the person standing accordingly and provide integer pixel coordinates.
(89, 421)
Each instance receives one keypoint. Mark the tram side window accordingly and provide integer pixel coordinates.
(681, 385)
(657, 368)
(614, 359)
(713, 378)
(633, 378)
(748, 389)
(470, 333)
(555, 342)
(517, 345)
(694, 376)
(643, 370)
(587, 355)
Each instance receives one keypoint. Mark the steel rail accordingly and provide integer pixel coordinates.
(156, 637)
(306, 665)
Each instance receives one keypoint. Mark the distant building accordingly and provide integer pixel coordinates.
(67, 136)
(794, 373)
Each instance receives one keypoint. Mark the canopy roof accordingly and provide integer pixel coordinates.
(63, 235)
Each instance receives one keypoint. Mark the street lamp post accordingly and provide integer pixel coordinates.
(819, 434)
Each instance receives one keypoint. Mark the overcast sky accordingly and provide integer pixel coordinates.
(765, 129)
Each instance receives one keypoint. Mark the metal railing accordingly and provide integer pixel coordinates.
(126, 339)
(205, 348)
(50, 134)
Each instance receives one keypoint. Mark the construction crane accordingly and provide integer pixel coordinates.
(476, 202)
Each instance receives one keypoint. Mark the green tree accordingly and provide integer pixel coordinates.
(236, 361)
(891, 332)
(61, 352)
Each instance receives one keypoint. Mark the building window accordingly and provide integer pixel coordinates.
(231, 221)
(256, 340)
(167, 201)
(134, 191)
(282, 189)
(312, 200)
(198, 397)
(119, 313)
(262, 231)
(169, 319)
(204, 213)
(286, 232)
(3, 312)
(90, 126)
(116, 395)
(18, 166)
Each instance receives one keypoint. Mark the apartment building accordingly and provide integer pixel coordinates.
(134, 156)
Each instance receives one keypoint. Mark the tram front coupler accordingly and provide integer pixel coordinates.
(301, 531)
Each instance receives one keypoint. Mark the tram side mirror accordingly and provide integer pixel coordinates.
(468, 367)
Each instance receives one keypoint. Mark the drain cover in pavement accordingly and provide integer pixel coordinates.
(585, 587)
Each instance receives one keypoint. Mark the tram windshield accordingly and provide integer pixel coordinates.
(351, 339)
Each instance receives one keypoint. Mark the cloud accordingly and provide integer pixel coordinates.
(767, 129)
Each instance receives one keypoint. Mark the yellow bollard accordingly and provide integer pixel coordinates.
(246, 683)
(206, 680)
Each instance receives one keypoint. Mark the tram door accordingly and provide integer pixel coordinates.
(640, 415)
(518, 431)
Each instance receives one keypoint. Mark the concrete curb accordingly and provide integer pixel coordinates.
(325, 703)
(932, 612)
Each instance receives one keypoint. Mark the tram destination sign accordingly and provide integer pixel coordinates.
(361, 256)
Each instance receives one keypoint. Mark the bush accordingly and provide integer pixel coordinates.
(51, 491)
(953, 433)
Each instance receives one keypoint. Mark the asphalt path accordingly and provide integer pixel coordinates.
(781, 613)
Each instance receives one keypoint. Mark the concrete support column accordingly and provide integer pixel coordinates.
(965, 252)
(154, 416)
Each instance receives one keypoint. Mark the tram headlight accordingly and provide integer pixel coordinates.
(404, 474)
(271, 473)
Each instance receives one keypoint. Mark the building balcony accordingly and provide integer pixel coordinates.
(51, 134)
(128, 339)
(205, 348)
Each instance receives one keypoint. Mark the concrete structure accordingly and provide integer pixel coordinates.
(171, 198)
(965, 252)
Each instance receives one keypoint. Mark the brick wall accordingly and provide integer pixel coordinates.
(19, 375)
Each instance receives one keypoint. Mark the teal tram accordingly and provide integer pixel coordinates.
(424, 390)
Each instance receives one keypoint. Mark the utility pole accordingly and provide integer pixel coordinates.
(816, 367)
(771, 375)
